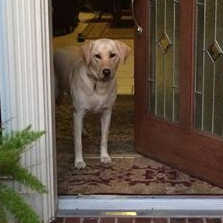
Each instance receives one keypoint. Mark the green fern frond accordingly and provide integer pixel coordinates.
(23, 176)
(19, 140)
(12, 146)
(17, 206)
(7, 158)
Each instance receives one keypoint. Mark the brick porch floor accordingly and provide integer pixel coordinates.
(138, 220)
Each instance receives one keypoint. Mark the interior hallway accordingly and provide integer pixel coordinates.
(125, 73)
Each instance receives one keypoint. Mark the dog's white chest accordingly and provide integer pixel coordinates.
(96, 103)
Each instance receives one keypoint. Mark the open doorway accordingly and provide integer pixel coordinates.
(130, 172)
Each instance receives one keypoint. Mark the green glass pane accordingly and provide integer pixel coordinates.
(199, 47)
(198, 111)
(170, 18)
(160, 82)
(218, 99)
(152, 58)
(160, 9)
(176, 105)
(152, 25)
(152, 97)
(219, 34)
(169, 84)
(176, 43)
(210, 23)
(208, 94)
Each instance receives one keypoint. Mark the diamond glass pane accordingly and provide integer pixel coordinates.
(164, 42)
(214, 51)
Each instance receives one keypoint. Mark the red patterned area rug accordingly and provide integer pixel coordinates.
(132, 174)
(136, 175)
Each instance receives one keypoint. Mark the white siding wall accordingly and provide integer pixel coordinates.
(26, 88)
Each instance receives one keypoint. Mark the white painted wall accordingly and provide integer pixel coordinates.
(26, 84)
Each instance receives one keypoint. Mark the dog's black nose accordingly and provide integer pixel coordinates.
(106, 72)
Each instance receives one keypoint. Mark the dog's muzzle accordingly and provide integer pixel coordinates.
(106, 72)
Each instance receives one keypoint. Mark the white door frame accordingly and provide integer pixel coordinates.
(27, 95)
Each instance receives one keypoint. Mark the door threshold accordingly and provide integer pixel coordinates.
(140, 206)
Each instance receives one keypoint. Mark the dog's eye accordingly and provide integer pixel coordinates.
(112, 55)
(97, 56)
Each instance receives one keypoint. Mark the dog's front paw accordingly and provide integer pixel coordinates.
(105, 159)
(80, 165)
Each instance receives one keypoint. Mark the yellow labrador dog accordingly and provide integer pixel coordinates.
(88, 75)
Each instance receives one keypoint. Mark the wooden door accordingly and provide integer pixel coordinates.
(179, 85)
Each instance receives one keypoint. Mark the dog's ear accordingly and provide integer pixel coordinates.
(85, 51)
(123, 49)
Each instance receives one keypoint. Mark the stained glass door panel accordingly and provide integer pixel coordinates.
(179, 85)
(209, 66)
(164, 59)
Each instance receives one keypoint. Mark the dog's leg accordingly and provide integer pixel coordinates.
(105, 123)
(78, 126)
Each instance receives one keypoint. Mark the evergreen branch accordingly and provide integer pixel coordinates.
(11, 148)
(7, 158)
(23, 176)
(18, 140)
(15, 144)
(3, 217)
(13, 202)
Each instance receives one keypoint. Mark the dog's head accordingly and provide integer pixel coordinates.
(102, 56)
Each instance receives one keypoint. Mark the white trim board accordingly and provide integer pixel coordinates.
(152, 206)
(27, 92)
